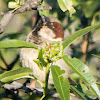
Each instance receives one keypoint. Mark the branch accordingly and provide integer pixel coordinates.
(5, 20)
(44, 8)
(27, 6)
(10, 66)
(13, 95)
(3, 59)
(16, 86)
(1, 13)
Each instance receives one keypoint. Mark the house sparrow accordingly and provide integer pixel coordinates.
(47, 30)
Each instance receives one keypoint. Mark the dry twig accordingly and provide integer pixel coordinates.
(1, 13)
(27, 6)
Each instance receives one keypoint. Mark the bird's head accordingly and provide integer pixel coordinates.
(48, 29)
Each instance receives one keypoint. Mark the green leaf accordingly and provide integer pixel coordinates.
(96, 56)
(62, 5)
(95, 90)
(16, 74)
(18, 1)
(44, 12)
(90, 7)
(66, 5)
(82, 95)
(77, 34)
(16, 44)
(83, 71)
(38, 63)
(10, 36)
(40, 56)
(87, 91)
(61, 85)
(13, 5)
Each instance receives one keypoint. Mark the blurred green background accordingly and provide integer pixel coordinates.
(87, 13)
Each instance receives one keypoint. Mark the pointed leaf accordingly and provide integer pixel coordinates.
(13, 5)
(83, 71)
(40, 56)
(96, 56)
(16, 44)
(61, 85)
(62, 5)
(82, 95)
(15, 74)
(66, 5)
(77, 34)
(38, 63)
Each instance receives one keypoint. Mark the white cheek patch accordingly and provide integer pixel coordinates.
(58, 39)
(45, 32)
(48, 34)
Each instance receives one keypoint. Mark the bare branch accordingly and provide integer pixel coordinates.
(27, 6)
(16, 85)
(3, 59)
(5, 20)
(44, 8)
(10, 66)
(1, 13)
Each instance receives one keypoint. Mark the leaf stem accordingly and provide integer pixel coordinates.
(46, 81)
(42, 97)
(36, 78)
(47, 77)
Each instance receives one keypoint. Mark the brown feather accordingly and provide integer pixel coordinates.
(58, 30)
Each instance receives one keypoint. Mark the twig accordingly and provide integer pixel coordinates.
(47, 78)
(16, 85)
(5, 20)
(27, 6)
(36, 78)
(10, 66)
(3, 59)
(44, 8)
(14, 96)
(45, 90)
(2, 68)
(1, 13)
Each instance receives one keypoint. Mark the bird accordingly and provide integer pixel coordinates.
(47, 30)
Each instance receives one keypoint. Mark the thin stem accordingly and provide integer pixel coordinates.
(47, 78)
(36, 78)
(1, 13)
(42, 84)
(46, 81)
(42, 97)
